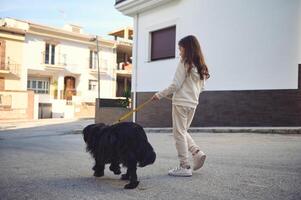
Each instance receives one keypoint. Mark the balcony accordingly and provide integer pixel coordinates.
(102, 70)
(57, 62)
(132, 7)
(103, 66)
(124, 69)
(9, 68)
(68, 95)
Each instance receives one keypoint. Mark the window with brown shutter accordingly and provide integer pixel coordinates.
(2, 84)
(163, 43)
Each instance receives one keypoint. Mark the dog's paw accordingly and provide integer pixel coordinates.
(131, 185)
(98, 174)
(125, 177)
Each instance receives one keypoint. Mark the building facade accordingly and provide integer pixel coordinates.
(15, 101)
(60, 67)
(252, 48)
(124, 39)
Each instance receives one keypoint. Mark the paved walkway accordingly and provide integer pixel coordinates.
(17, 124)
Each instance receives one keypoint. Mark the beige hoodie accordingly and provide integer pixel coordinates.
(185, 87)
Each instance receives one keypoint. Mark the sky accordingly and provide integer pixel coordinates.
(95, 16)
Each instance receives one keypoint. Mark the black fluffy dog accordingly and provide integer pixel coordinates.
(124, 143)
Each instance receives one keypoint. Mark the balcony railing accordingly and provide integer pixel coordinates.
(103, 66)
(118, 1)
(10, 68)
(67, 94)
(122, 66)
(58, 60)
(101, 70)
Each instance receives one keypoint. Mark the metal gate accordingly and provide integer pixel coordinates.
(45, 110)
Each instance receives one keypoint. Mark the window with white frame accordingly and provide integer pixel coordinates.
(93, 59)
(40, 86)
(92, 85)
(49, 54)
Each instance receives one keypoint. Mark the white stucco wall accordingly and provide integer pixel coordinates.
(77, 59)
(77, 54)
(248, 45)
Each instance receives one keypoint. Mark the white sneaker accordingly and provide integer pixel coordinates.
(180, 171)
(198, 160)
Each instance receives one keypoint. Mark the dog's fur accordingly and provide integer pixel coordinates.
(124, 143)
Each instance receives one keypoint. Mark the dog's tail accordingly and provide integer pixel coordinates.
(149, 157)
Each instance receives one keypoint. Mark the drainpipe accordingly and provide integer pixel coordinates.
(135, 62)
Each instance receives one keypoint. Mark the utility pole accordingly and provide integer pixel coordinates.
(98, 68)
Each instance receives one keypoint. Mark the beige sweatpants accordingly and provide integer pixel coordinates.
(181, 119)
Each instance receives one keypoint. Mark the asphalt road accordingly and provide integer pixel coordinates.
(50, 162)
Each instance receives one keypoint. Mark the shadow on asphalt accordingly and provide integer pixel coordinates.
(43, 126)
(68, 128)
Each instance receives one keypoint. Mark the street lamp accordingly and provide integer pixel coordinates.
(98, 71)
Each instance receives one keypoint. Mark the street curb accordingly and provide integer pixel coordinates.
(267, 130)
(286, 131)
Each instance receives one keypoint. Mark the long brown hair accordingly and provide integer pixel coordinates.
(193, 55)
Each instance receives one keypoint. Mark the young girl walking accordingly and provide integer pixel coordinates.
(187, 84)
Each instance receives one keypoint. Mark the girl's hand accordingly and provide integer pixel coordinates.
(155, 98)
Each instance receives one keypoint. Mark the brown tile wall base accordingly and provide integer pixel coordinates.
(231, 108)
(109, 115)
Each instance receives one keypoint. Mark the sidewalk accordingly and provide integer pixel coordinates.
(17, 124)
(269, 130)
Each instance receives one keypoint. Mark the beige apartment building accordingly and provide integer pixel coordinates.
(57, 69)
(15, 101)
